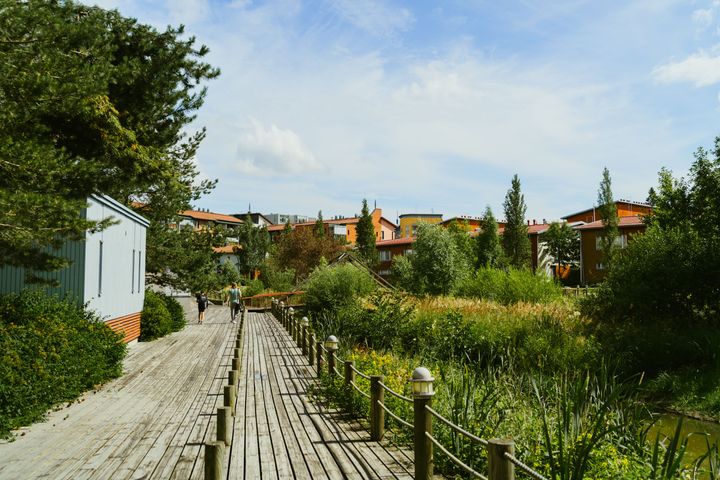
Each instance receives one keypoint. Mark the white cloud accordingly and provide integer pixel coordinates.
(272, 150)
(373, 16)
(703, 17)
(701, 69)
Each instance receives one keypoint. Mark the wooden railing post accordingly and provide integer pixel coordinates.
(318, 350)
(377, 414)
(311, 349)
(349, 372)
(233, 377)
(224, 425)
(422, 382)
(229, 396)
(214, 460)
(331, 363)
(304, 335)
(500, 468)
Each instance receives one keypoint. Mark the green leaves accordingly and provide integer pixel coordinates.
(515, 239)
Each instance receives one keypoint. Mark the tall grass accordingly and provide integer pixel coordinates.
(511, 286)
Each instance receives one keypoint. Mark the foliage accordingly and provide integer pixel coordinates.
(253, 287)
(176, 311)
(91, 102)
(670, 272)
(466, 248)
(300, 250)
(403, 274)
(563, 243)
(155, 320)
(608, 214)
(515, 239)
(183, 258)
(277, 279)
(51, 350)
(330, 287)
(437, 264)
(254, 245)
(227, 274)
(510, 286)
(489, 251)
(319, 225)
(365, 243)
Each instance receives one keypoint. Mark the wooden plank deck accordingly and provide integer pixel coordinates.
(152, 422)
(293, 436)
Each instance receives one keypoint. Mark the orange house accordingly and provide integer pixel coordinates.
(346, 227)
(625, 208)
(592, 269)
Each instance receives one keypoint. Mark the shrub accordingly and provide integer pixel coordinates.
(331, 287)
(511, 286)
(253, 287)
(177, 313)
(278, 280)
(155, 321)
(51, 350)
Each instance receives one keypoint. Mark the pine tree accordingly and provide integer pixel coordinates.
(319, 225)
(365, 243)
(608, 214)
(489, 251)
(515, 238)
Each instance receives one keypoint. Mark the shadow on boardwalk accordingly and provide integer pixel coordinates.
(153, 421)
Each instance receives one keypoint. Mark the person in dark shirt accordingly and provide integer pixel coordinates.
(202, 304)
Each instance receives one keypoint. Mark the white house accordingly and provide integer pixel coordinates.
(107, 271)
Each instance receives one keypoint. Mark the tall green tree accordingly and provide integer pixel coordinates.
(365, 243)
(254, 244)
(563, 243)
(608, 213)
(489, 251)
(319, 225)
(437, 263)
(92, 102)
(515, 237)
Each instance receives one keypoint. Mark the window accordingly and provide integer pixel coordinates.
(599, 266)
(139, 270)
(100, 270)
(385, 272)
(385, 255)
(620, 241)
(408, 251)
(382, 235)
(132, 275)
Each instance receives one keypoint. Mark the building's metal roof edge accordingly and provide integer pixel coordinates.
(120, 208)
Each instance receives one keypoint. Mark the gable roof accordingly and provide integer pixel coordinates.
(395, 241)
(210, 216)
(623, 222)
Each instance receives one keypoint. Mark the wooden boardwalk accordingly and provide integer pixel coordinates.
(153, 421)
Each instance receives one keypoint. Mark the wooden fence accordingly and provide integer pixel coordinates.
(502, 461)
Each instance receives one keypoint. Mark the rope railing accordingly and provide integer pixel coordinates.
(501, 458)
(361, 374)
(398, 419)
(457, 428)
(395, 394)
(455, 460)
(359, 390)
(512, 459)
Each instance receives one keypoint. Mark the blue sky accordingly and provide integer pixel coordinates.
(433, 105)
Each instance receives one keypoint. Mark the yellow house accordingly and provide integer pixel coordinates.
(410, 221)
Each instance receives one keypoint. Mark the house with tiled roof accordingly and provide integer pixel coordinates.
(345, 228)
(389, 249)
(592, 267)
(199, 219)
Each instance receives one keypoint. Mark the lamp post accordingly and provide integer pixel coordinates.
(422, 390)
(291, 320)
(331, 345)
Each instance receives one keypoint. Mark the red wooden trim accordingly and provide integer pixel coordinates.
(274, 294)
(128, 325)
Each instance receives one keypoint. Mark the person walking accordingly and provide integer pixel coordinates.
(202, 304)
(234, 302)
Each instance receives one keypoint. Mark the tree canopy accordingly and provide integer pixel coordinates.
(609, 216)
(92, 102)
(254, 243)
(489, 251)
(563, 243)
(365, 242)
(515, 237)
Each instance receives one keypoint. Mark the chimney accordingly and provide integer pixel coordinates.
(528, 223)
(544, 221)
(534, 222)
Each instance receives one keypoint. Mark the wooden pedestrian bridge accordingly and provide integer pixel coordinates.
(231, 401)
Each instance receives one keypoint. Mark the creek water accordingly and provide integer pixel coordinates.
(698, 433)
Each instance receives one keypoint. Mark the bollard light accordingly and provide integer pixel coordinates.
(331, 343)
(422, 382)
(304, 322)
(291, 311)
